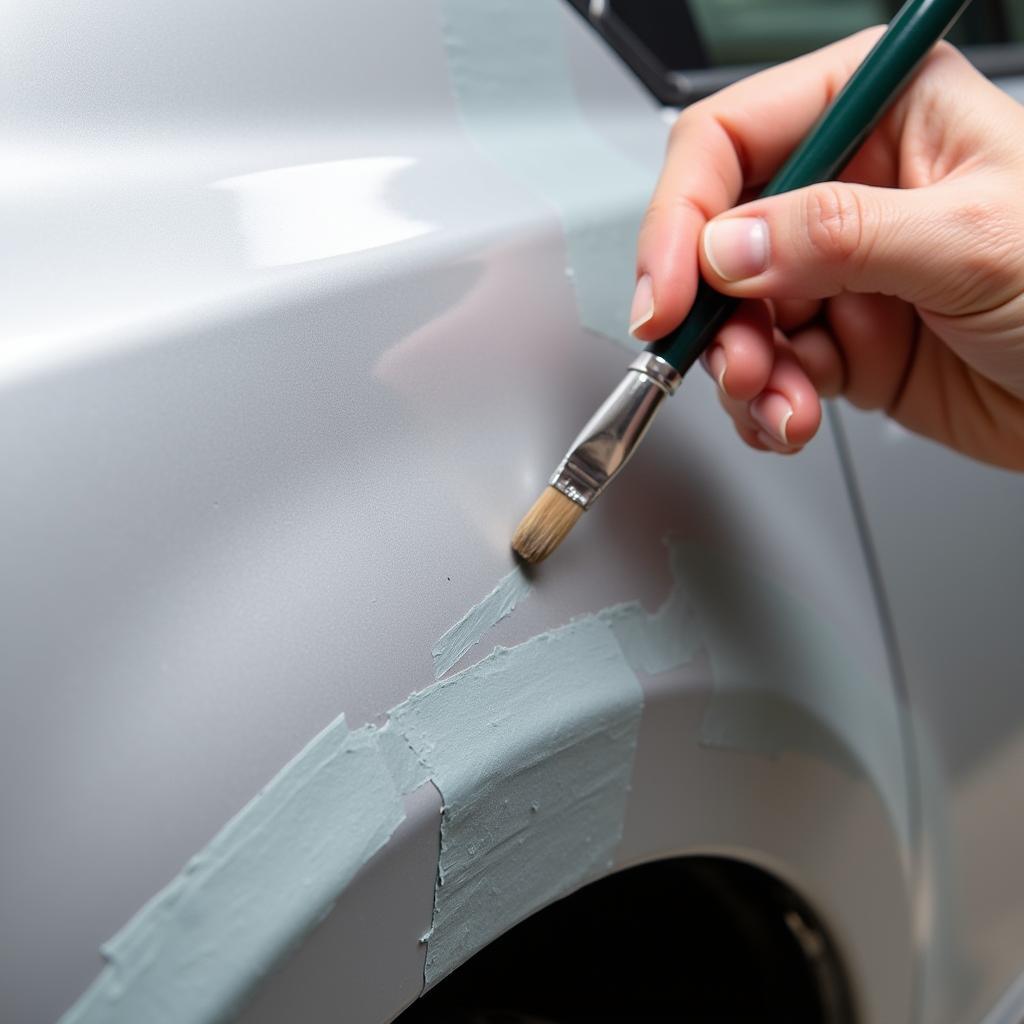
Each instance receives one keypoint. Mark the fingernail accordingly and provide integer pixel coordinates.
(643, 304)
(772, 412)
(716, 364)
(736, 247)
(773, 444)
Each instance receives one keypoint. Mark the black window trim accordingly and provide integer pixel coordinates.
(679, 88)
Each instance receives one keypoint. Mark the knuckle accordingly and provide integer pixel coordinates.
(684, 122)
(975, 217)
(946, 52)
(835, 223)
(988, 249)
(666, 211)
(656, 214)
(651, 216)
(693, 124)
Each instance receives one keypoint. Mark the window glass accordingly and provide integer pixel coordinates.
(765, 31)
(762, 31)
(1015, 10)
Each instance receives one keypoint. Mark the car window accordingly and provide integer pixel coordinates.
(765, 31)
(684, 49)
(761, 31)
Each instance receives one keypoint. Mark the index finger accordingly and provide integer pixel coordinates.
(737, 138)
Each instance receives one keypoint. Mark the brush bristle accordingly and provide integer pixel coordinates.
(545, 526)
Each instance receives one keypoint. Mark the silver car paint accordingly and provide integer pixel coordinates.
(247, 484)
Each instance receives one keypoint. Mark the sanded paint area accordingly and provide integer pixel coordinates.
(532, 751)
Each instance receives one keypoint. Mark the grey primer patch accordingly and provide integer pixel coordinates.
(532, 751)
(665, 640)
(194, 952)
(511, 78)
(481, 617)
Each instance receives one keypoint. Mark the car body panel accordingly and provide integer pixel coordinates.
(951, 572)
(289, 351)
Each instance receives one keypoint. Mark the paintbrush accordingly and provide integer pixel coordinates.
(605, 444)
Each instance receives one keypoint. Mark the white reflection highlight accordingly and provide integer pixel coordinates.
(315, 211)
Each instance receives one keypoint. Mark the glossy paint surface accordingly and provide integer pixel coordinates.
(286, 353)
(952, 566)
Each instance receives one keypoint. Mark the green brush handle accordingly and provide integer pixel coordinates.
(827, 149)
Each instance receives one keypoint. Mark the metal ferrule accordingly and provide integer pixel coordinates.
(607, 441)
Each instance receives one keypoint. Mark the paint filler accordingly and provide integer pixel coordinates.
(532, 750)
(511, 77)
(467, 632)
(407, 768)
(665, 640)
(194, 952)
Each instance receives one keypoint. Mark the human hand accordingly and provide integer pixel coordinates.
(900, 287)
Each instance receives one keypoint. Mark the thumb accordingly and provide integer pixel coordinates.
(924, 245)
